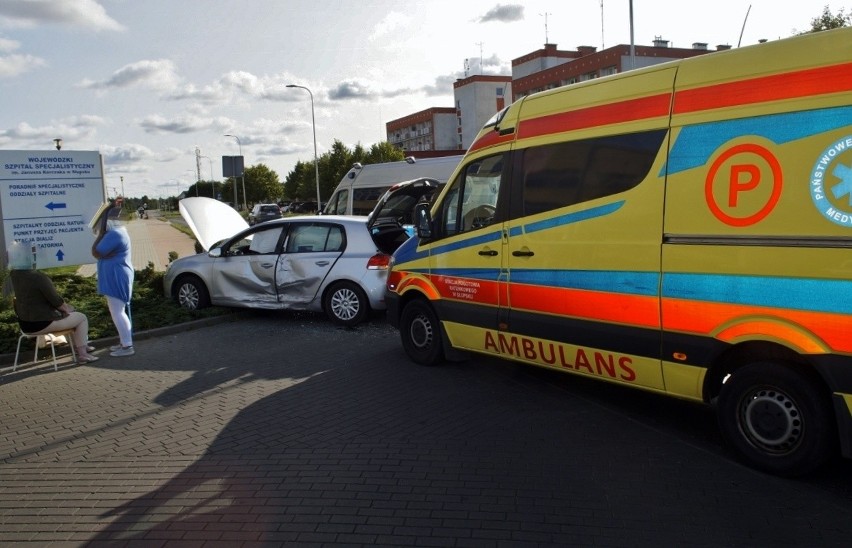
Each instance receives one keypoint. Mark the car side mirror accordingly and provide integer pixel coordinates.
(215, 252)
(423, 221)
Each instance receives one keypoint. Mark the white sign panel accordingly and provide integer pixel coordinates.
(48, 198)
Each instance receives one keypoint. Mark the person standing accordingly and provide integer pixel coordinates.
(115, 272)
(39, 307)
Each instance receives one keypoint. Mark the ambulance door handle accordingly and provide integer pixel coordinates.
(524, 253)
(488, 252)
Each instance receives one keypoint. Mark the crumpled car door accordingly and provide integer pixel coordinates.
(245, 275)
(311, 251)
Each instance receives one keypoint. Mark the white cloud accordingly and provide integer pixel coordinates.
(7, 45)
(75, 128)
(390, 25)
(504, 14)
(13, 65)
(184, 124)
(156, 74)
(16, 63)
(77, 13)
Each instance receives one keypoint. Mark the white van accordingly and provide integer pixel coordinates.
(361, 187)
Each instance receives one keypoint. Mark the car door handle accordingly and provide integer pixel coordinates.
(523, 253)
(267, 265)
(322, 263)
(488, 252)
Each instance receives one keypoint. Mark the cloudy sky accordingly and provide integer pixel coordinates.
(145, 82)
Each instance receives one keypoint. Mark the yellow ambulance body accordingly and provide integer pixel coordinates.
(684, 228)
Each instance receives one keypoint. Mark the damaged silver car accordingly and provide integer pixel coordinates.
(332, 264)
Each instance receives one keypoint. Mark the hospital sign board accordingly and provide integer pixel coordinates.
(47, 198)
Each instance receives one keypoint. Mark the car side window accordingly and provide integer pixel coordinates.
(471, 202)
(565, 174)
(265, 241)
(313, 237)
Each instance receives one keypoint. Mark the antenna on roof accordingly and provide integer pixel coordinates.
(602, 27)
(545, 14)
(744, 23)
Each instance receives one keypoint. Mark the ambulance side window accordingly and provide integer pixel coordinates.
(565, 174)
(471, 202)
(338, 203)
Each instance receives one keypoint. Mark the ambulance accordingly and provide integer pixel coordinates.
(364, 185)
(684, 229)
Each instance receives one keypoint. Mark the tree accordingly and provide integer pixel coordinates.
(291, 182)
(300, 184)
(827, 21)
(262, 184)
(384, 152)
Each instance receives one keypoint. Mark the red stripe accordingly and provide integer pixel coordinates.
(591, 305)
(614, 113)
(491, 138)
(789, 85)
(705, 318)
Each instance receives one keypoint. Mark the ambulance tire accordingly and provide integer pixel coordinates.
(777, 419)
(421, 333)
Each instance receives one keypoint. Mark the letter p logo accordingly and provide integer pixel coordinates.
(744, 177)
(743, 185)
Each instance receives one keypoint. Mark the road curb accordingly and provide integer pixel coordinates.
(9, 359)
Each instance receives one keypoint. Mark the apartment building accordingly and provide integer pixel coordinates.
(432, 131)
(550, 67)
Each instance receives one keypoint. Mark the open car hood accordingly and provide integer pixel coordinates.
(396, 206)
(210, 220)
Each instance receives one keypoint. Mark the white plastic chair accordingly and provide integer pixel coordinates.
(51, 339)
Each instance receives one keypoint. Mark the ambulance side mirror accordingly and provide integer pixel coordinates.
(423, 221)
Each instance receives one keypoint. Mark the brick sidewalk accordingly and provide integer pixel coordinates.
(151, 240)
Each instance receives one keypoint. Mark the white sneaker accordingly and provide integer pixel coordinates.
(115, 347)
(123, 351)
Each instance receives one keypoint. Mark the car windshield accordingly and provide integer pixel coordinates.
(269, 209)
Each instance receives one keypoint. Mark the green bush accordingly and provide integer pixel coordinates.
(149, 307)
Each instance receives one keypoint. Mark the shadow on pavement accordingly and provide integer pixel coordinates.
(354, 444)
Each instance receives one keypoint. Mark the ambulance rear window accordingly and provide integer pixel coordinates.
(565, 174)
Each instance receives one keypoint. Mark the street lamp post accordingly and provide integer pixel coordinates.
(242, 176)
(314, 126)
(212, 184)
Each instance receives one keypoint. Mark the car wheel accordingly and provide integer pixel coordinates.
(346, 304)
(420, 333)
(191, 293)
(777, 419)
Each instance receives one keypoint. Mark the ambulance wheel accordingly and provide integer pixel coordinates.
(777, 419)
(420, 332)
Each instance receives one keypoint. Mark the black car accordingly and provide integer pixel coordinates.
(264, 212)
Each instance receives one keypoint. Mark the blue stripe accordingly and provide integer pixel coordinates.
(832, 296)
(696, 144)
(408, 251)
(630, 283)
(567, 219)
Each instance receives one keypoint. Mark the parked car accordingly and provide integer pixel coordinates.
(332, 264)
(303, 207)
(264, 212)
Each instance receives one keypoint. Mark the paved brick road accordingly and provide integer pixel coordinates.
(283, 429)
